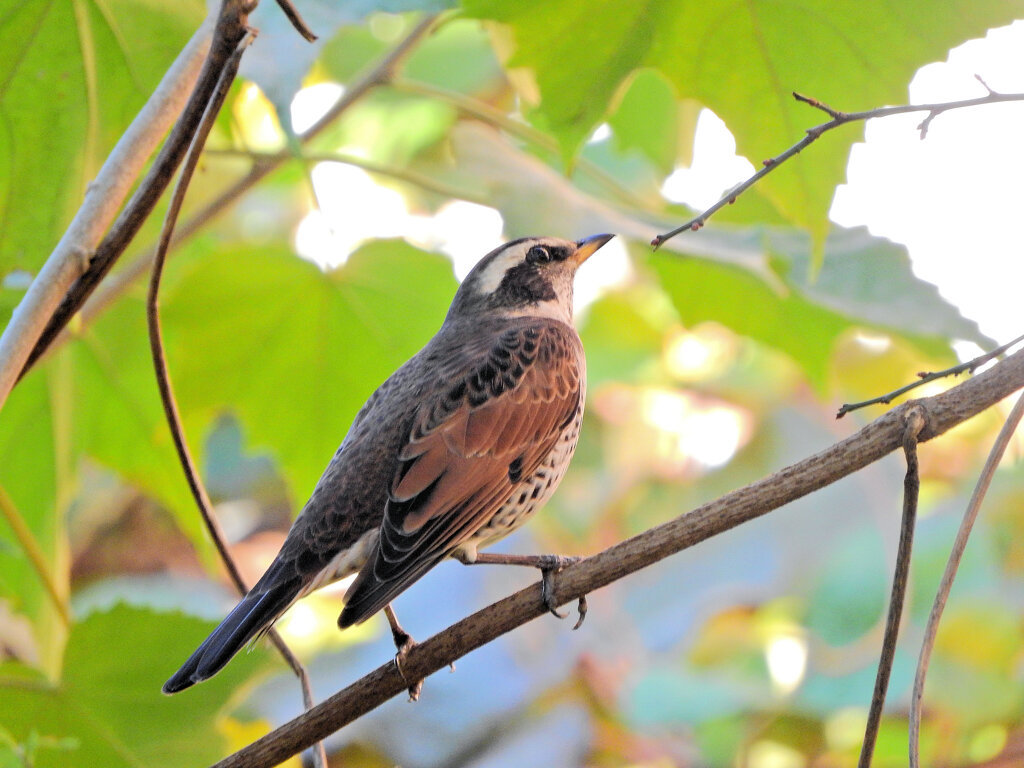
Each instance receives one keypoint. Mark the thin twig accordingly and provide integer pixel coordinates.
(869, 444)
(923, 378)
(34, 553)
(401, 174)
(813, 134)
(231, 28)
(296, 20)
(911, 488)
(111, 289)
(163, 378)
(959, 545)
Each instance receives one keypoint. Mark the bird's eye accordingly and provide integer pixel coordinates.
(538, 255)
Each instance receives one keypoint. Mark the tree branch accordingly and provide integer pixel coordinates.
(813, 134)
(959, 545)
(866, 446)
(911, 491)
(163, 377)
(401, 174)
(923, 378)
(231, 27)
(113, 288)
(103, 198)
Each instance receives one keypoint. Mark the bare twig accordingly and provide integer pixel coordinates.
(401, 174)
(855, 452)
(295, 18)
(911, 487)
(103, 197)
(813, 134)
(923, 378)
(163, 378)
(111, 289)
(230, 29)
(959, 545)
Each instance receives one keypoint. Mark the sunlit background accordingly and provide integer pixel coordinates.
(953, 199)
(755, 649)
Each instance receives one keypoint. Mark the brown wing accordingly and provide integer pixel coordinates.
(469, 446)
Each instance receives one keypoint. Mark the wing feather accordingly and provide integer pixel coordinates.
(466, 451)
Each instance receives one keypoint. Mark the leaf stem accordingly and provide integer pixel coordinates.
(34, 553)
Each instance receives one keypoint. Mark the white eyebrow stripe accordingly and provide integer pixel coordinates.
(494, 273)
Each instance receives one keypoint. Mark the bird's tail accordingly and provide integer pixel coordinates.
(257, 611)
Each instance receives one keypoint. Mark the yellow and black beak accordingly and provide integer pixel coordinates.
(586, 247)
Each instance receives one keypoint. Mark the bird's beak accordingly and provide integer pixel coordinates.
(586, 247)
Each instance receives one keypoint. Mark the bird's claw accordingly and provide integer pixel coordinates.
(405, 643)
(550, 565)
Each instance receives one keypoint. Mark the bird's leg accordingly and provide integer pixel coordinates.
(549, 565)
(403, 643)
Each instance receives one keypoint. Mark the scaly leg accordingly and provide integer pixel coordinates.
(549, 565)
(403, 643)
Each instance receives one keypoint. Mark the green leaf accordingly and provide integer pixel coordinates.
(72, 76)
(295, 351)
(108, 705)
(742, 60)
(865, 282)
(648, 119)
(579, 52)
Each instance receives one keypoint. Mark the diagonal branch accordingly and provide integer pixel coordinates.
(815, 133)
(911, 491)
(163, 378)
(102, 200)
(380, 74)
(868, 445)
(959, 545)
(231, 27)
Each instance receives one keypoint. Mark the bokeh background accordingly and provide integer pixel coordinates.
(713, 362)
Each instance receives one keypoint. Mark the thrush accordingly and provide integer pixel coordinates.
(457, 449)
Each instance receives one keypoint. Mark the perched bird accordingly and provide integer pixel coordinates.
(458, 448)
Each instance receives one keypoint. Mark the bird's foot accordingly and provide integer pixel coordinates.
(550, 565)
(404, 643)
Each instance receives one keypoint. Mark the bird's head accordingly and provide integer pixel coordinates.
(531, 276)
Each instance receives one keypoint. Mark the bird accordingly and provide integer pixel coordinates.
(459, 447)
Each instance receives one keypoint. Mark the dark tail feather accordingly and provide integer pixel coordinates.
(253, 615)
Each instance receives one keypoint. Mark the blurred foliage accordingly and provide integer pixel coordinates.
(713, 362)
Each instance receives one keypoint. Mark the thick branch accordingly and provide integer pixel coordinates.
(813, 134)
(103, 198)
(229, 31)
(868, 445)
(111, 289)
